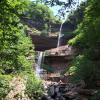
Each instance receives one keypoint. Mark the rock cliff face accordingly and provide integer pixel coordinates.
(67, 27)
(60, 58)
(43, 43)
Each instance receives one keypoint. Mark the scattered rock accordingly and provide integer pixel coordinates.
(68, 91)
(17, 92)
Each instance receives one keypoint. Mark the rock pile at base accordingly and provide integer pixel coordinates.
(68, 91)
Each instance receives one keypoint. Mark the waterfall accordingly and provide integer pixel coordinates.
(38, 65)
(60, 35)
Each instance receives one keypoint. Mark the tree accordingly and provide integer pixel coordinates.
(41, 13)
(76, 16)
(14, 45)
(89, 28)
(88, 39)
(41, 16)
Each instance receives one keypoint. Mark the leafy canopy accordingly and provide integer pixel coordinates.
(14, 45)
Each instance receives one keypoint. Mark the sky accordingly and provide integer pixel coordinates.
(56, 8)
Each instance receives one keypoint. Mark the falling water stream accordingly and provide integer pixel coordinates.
(60, 34)
(38, 65)
(39, 70)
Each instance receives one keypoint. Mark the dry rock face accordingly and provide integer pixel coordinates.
(65, 50)
(17, 92)
(58, 59)
(43, 43)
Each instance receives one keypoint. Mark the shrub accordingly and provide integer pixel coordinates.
(82, 69)
(34, 87)
(4, 85)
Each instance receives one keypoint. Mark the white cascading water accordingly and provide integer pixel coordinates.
(60, 34)
(38, 65)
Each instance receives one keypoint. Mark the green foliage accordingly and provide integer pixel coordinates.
(85, 67)
(77, 41)
(40, 13)
(88, 29)
(4, 85)
(15, 47)
(41, 16)
(34, 87)
(88, 38)
(45, 30)
(82, 69)
(65, 33)
(76, 16)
